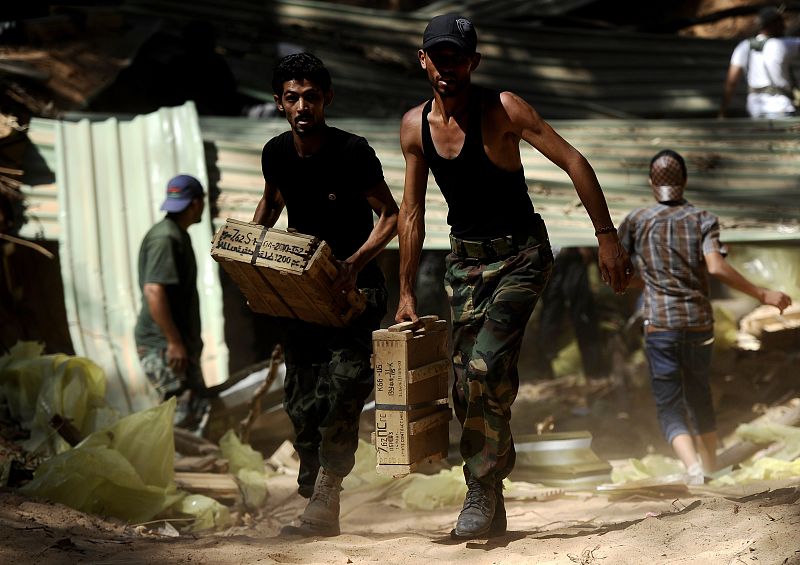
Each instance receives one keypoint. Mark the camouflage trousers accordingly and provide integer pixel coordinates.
(328, 379)
(188, 387)
(491, 301)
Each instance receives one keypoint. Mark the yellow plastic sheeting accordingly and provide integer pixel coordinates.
(125, 470)
(363, 473)
(649, 466)
(767, 468)
(36, 387)
(775, 267)
(725, 328)
(766, 434)
(240, 455)
(208, 513)
(248, 466)
(428, 492)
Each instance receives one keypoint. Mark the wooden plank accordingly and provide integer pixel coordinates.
(213, 485)
(199, 463)
(735, 454)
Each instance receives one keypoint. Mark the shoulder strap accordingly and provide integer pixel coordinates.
(427, 143)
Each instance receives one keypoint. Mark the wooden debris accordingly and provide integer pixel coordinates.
(201, 463)
(66, 429)
(188, 443)
(765, 328)
(788, 415)
(285, 458)
(255, 403)
(214, 485)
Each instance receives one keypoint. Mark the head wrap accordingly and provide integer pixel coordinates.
(667, 179)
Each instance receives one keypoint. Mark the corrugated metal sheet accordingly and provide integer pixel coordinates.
(745, 171)
(110, 178)
(503, 9)
(564, 73)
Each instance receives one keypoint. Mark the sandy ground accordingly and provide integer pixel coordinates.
(753, 524)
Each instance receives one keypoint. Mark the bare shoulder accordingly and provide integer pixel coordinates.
(517, 108)
(411, 126)
(413, 117)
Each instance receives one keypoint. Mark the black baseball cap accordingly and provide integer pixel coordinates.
(450, 28)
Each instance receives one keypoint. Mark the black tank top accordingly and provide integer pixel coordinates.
(484, 201)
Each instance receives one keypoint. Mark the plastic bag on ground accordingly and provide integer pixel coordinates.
(35, 387)
(240, 455)
(248, 466)
(767, 468)
(207, 513)
(428, 492)
(125, 471)
(649, 466)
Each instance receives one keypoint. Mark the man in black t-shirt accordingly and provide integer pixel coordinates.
(168, 328)
(332, 185)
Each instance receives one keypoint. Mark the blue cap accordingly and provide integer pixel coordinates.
(181, 190)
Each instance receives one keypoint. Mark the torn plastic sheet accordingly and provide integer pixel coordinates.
(35, 387)
(208, 514)
(767, 468)
(649, 466)
(767, 434)
(240, 455)
(125, 471)
(248, 466)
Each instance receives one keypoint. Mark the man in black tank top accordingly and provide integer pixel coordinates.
(501, 258)
(332, 185)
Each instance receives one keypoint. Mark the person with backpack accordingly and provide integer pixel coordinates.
(765, 62)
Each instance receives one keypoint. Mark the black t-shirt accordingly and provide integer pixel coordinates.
(325, 192)
(467, 179)
(166, 257)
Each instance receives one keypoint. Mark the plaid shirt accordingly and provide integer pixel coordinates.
(668, 244)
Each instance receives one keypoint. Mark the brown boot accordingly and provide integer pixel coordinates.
(321, 516)
(475, 520)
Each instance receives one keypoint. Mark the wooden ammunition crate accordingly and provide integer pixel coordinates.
(284, 274)
(412, 367)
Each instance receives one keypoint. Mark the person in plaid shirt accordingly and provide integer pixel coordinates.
(675, 246)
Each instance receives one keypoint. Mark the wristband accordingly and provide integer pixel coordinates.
(605, 229)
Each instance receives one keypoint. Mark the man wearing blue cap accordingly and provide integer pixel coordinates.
(469, 137)
(168, 329)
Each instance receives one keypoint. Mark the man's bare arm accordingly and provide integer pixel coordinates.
(269, 207)
(734, 74)
(411, 220)
(155, 295)
(719, 268)
(382, 203)
(615, 266)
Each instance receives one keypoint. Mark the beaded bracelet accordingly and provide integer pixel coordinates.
(605, 229)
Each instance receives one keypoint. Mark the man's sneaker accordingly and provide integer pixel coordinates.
(694, 474)
(478, 512)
